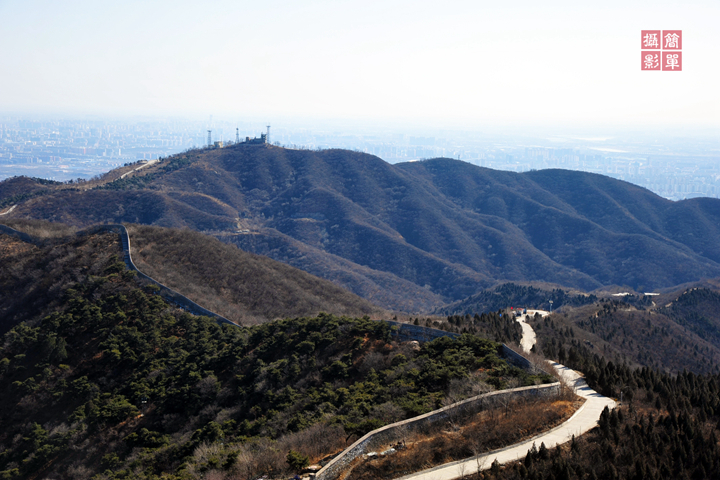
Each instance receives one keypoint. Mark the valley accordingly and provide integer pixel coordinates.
(309, 251)
(409, 237)
(107, 376)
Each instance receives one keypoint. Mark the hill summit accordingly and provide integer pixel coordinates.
(410, 236)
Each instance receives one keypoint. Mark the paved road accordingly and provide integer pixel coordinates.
(583, 420)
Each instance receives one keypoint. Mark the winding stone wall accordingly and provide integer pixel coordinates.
(404, 332)
(407, 332)
(21, 235)
(167, 293)
(424, 423)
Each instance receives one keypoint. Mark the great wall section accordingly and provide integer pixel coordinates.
(167, 293)
(582, 420)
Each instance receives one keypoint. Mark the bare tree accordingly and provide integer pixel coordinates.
(478, 448)
(462, 466)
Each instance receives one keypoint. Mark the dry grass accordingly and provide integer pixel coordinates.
(241, 286)
(258, 456)
(40, 228)
(490, 429)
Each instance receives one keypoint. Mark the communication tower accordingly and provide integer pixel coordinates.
(237, 135)
(209, 138)
(267, 136)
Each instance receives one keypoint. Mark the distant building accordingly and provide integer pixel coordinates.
(248, 141)
(256, 140)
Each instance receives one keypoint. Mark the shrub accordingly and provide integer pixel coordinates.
(297, 461)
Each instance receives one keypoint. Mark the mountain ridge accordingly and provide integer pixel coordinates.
(412, 236)
(241, 286)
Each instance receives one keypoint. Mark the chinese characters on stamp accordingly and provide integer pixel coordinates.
(661, 50)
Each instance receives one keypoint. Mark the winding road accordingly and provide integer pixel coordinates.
(584, 419)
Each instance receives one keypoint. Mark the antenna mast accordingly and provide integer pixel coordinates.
(237, 135)
(209, 138)
(267, 137)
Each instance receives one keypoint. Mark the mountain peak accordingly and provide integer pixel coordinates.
(415, 234)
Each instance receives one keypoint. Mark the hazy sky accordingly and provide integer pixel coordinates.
(475, 62)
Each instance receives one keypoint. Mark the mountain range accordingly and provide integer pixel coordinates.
(411, 236)
(103, 378)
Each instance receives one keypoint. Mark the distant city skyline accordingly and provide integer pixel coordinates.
(472, 65)
(70, 148)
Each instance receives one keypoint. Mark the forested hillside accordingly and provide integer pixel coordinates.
(114, 381)
(512, 295)
(680, 335)
(698, 310)
(238, 285)
(666, 428)
(410, 236)
(668, 423)
(34, 277)
(241, 286)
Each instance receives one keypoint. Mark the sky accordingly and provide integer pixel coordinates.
(472, 63)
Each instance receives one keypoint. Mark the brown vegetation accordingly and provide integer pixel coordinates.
(256, 456)
(635, 334)
(497, 427)
(34, 277)
(39, 228)
(432, 231)
(381, 288)
(238, 285)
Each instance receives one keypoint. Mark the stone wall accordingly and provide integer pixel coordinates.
(22, 236)
(424, 423)
(407, 332)
(515, 358)
(165, 292)
(397, 431)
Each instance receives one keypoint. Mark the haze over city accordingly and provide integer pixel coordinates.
(517, 86)
(478, 63)
(359, 240)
